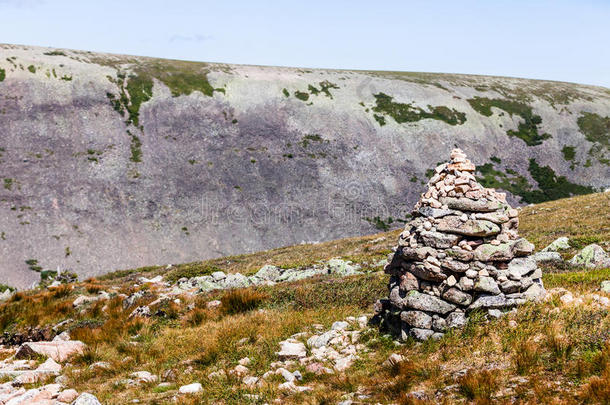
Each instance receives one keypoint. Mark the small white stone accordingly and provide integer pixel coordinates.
(191, 388)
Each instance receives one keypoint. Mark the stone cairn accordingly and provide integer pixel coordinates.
(460, 252)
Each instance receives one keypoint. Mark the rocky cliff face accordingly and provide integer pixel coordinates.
(110, 162)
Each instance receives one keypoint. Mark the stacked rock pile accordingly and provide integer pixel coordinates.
(460, 252)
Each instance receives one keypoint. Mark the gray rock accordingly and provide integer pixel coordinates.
(408, 282)
(547, 257)
(456, 320)
(492, 301)
(521, 247)
(466, 284)
(534, 292)
(558, 244)
(520, 267)
(416, 319)
(510, 286)
(439, 240)
(426, 302)
(218, 275)
(434, 212)
(439, 324)
(488, 252)
(342, 267)
(428, 272)
(268, 273)
(495, 313)
(480, 228)
(339, 325)
(86, 399)
(236, 280)
(421, 334)
(317, 341)
(456, 296)
(466, 204)
(487, 285)
(455, 266)
(591, 256)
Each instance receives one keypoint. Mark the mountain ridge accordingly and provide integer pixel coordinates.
(112, 161)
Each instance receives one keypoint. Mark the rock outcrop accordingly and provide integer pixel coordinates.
(460, 252)
(115, 162)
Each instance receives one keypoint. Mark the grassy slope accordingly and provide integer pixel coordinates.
(546, 355)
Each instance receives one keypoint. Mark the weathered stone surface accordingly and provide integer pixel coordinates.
(291, 349)
(434, 212)
(466, 204)
(491, 301)
(456, 296)
(428, 272)
(456, 320)
(488, 252)
(455, 266)
(426, 302)
(497, 217)
(548, 257)
(605, 286)
(480, 228)
(59, 351)
(408, 282)
(439, 240)
(558, 244)
(520, 267)
(591, 256)
(510, 286)
(421, 334)
(522, 247)
(486, 285)
(86, 399)
(416, 319)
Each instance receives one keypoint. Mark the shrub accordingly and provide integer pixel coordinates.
(242, 300)
(478, 385)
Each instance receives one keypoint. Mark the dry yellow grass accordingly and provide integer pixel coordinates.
(550, 354)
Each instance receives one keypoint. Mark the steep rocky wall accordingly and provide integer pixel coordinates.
(111, 162)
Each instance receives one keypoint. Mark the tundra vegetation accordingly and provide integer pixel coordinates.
(546, 352)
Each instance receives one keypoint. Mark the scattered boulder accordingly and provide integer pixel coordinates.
(591, 256)
(558, 244)
(190, 388)
(67, 396)
(60, 351)
(292, 349)
(86, 399)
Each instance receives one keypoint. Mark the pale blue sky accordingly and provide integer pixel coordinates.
(556, 40)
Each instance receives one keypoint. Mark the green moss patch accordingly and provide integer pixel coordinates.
(2, 75)
(568, 152)
(136, 148)
(595, 128)
(404, 112)
(301, 95)
(550, 186)
(32, 69)
(527, 129)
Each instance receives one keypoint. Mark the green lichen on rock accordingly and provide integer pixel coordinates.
(32, 69)
(527, 129)
(595, 128)
(550, 186)
(405, 112)
(286, 92)
(136, 148)
(568, 152)
(301, 95)
(2, 75)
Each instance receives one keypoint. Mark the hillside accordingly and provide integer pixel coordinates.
(555, 351)
(111, 161)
